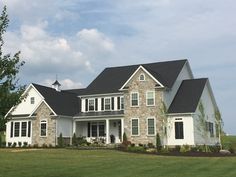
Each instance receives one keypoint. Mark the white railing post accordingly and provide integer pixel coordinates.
(107, 131)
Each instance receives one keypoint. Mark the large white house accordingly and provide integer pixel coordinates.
(138, 100)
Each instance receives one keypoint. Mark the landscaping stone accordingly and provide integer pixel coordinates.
(223, 151)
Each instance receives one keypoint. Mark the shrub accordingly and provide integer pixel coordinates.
(124, 137)
(177, 148)
(35, 146)
(231, 149)
(185, 148)
(19, 144)
(14, 144)
(150, 145)
(132, 145)
(25, 144)
(74, 140)
(60, 141)
(44, 145)
(126, 143)
(136, 149)
(82, 141)
(0, 140)
(164, 150)
(50, 145)
(140, 144)
(214, 149)
(9, 144)
(158, 142)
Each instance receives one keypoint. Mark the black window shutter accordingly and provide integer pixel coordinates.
(29, 128)
(112, 103)
(118, 103)
(11, 129)
(102, 104)
(86, 104)
(88, 129)
(96, 104)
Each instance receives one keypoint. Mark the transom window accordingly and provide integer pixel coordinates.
(150, 98)
(142, 77)
(134, 99)
(179, 130)
(135, 127)
(43, 128)
(91, 103)
(32, 100)
(107, 104)
(151, 126)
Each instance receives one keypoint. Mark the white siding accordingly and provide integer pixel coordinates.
(170, 94)
(209, 109)
(64, 126)
(25, 107)
(188, 131)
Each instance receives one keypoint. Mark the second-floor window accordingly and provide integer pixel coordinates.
(32, 100)
(134, 99)
(91, 103)
(121, 102)
(107, 104)
(150, 98)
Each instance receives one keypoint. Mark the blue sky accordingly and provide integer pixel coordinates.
(77, 39)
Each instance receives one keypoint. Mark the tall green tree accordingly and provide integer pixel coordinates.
(10, 89)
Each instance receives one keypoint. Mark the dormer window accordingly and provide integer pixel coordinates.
(142, 77)
(91, 104)
(32, 100)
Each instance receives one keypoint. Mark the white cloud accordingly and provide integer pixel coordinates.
(65, 83)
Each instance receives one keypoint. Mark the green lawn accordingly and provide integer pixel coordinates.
(229, 141)
(102, 163)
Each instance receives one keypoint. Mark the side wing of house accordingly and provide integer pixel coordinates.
(19, 124)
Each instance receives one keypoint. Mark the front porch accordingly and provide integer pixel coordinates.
(105, 130)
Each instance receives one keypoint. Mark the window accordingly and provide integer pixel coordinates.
(23, 129)
(210, 128)
(32, 100)
(179, 131)
(151, 126)
(142, 77)
(135, 127)
(17, 129)
(94, 130)
(11, 130)
(43, 128)
(101, 128)
(150, 98)
(91, 103)
(29, 129)
(107, 104)
(134, 99)
(121, 102)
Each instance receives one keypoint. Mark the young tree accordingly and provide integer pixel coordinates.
(10, 90)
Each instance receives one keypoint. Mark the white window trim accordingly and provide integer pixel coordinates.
(131, 99)
(105, 104)
(154, 126)
(132, 127)
(44, 121)
(93, 106)
(144, 77)
(154, 96)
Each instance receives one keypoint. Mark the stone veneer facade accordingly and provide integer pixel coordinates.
(142, 112)
(44, 113)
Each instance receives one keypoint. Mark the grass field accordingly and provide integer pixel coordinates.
(228, 141)
(102, 163)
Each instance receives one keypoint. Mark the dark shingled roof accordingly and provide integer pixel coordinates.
(188, 96)
(62, 103)
(110, 80)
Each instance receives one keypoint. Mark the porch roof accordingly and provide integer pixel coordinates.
(99, 114)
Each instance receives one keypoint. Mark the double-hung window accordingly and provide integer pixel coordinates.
(107, 104)
(134, 99)
(150, 98)
(151, 126)
(135, 126)
(91, 103)
(23, 129)
(32, 100)
(17, 129)
(43, 128)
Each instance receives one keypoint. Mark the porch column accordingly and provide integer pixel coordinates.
(122, 128)
(74, 127)
(107, 131)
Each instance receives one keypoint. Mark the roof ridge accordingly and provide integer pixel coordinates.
(141, 64)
